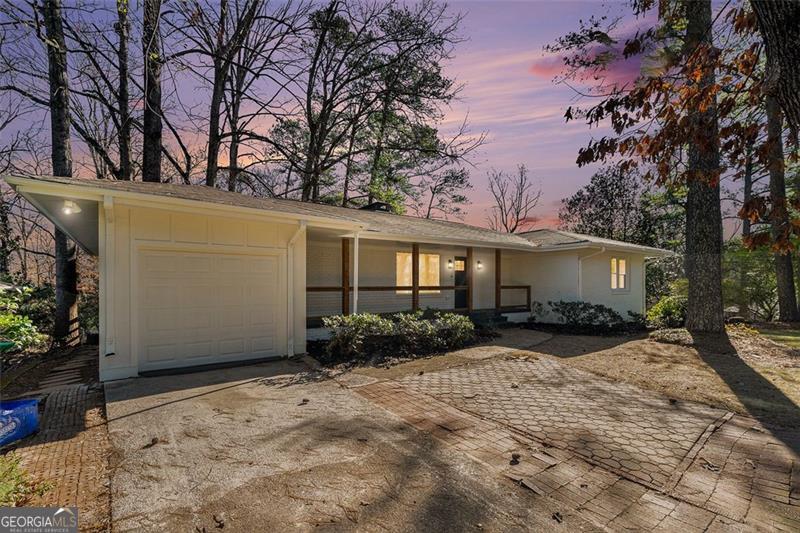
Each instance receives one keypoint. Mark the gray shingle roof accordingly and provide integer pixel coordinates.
(375, 222)
(553, 239)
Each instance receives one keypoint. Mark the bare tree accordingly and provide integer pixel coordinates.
(123, 93)
(515, 197)
(151, 47)
(213, 33)
(66, 328)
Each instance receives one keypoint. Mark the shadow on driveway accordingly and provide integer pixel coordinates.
(763, 400)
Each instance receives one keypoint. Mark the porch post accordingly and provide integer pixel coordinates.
(345, 276)
(470, 279)
(414, 276)
(498, 293)
(355, 274)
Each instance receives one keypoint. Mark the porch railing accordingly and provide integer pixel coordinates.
(506, 290)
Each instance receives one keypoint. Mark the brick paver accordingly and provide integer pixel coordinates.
(616, 425)
(621, 457)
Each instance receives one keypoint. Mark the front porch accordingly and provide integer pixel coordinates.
(353, 274)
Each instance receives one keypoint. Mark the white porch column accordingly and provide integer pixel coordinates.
(355, 273)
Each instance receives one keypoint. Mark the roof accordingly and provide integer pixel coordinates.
(374, 222)
(555, 239)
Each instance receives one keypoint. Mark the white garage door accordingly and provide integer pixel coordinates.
(203, 308)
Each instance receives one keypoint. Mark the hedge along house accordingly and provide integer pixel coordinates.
(193, 276)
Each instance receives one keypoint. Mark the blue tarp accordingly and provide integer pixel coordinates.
(18, 419)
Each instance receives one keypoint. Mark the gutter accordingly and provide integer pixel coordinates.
(580, 269)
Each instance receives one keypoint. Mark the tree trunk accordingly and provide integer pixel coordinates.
(748, 187)
(703, 212)
(744, 301)
(123, 94)
(220, 78)
(66, 330)
(348, 168)
(779, 23)
(376, 156)
(151, 130)
(779, 218)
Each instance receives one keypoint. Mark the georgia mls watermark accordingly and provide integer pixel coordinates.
(38, 519)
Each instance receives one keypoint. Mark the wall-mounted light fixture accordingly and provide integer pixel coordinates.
(479, 266)
(70, 207)
(449, 264)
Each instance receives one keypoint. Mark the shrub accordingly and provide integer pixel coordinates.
(368, 335)
(585, 314)
(39, 304)
(14, 326)
(354, 335)
(453, 330)
(415, 334)
(668, 312)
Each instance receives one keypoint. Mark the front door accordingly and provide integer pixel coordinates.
(460, 268)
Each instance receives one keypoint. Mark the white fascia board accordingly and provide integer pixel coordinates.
(633, 249)
(72, 191)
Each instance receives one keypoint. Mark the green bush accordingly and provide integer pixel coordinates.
(353, 335)
(367, 335)
(454, 330)
(39, 304)
(585, 314)
(14, 326)
(668, 312)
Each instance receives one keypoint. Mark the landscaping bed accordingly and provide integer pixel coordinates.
(369, 339)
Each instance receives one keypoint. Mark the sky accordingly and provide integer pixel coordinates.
(510, 94)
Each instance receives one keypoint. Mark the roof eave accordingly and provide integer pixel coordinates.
(622, 247)
(25, 185)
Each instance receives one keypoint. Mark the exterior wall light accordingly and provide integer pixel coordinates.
(70, 207)
(479, 266)
(449, 264)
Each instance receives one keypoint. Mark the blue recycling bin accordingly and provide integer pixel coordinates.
(18, 419)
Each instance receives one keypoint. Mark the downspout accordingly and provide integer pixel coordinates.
(290, 288)
(355, 273)
(107, 259)
(644, 283)
(580, 270)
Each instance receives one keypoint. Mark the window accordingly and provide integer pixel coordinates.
(619, 274)
(428, 271)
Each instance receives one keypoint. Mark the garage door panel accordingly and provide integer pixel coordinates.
(160, 264)
(227, 307)
(196, 263)
(264, 344)
(162, 353)
(199, 349)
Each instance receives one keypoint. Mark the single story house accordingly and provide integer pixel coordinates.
(192, 276)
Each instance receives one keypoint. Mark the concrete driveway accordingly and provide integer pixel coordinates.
(275, 447)
(495, 437)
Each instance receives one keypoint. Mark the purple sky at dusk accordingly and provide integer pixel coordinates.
(509, 93)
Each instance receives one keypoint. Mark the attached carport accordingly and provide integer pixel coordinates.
(189, 276)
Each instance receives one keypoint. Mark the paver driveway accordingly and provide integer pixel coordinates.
(616, 425)
(618, 456)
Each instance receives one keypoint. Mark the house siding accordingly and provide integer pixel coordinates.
(377, 267)
(133, 227)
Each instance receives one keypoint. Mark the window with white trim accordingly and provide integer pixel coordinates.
(619, 274)
(428, 272)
